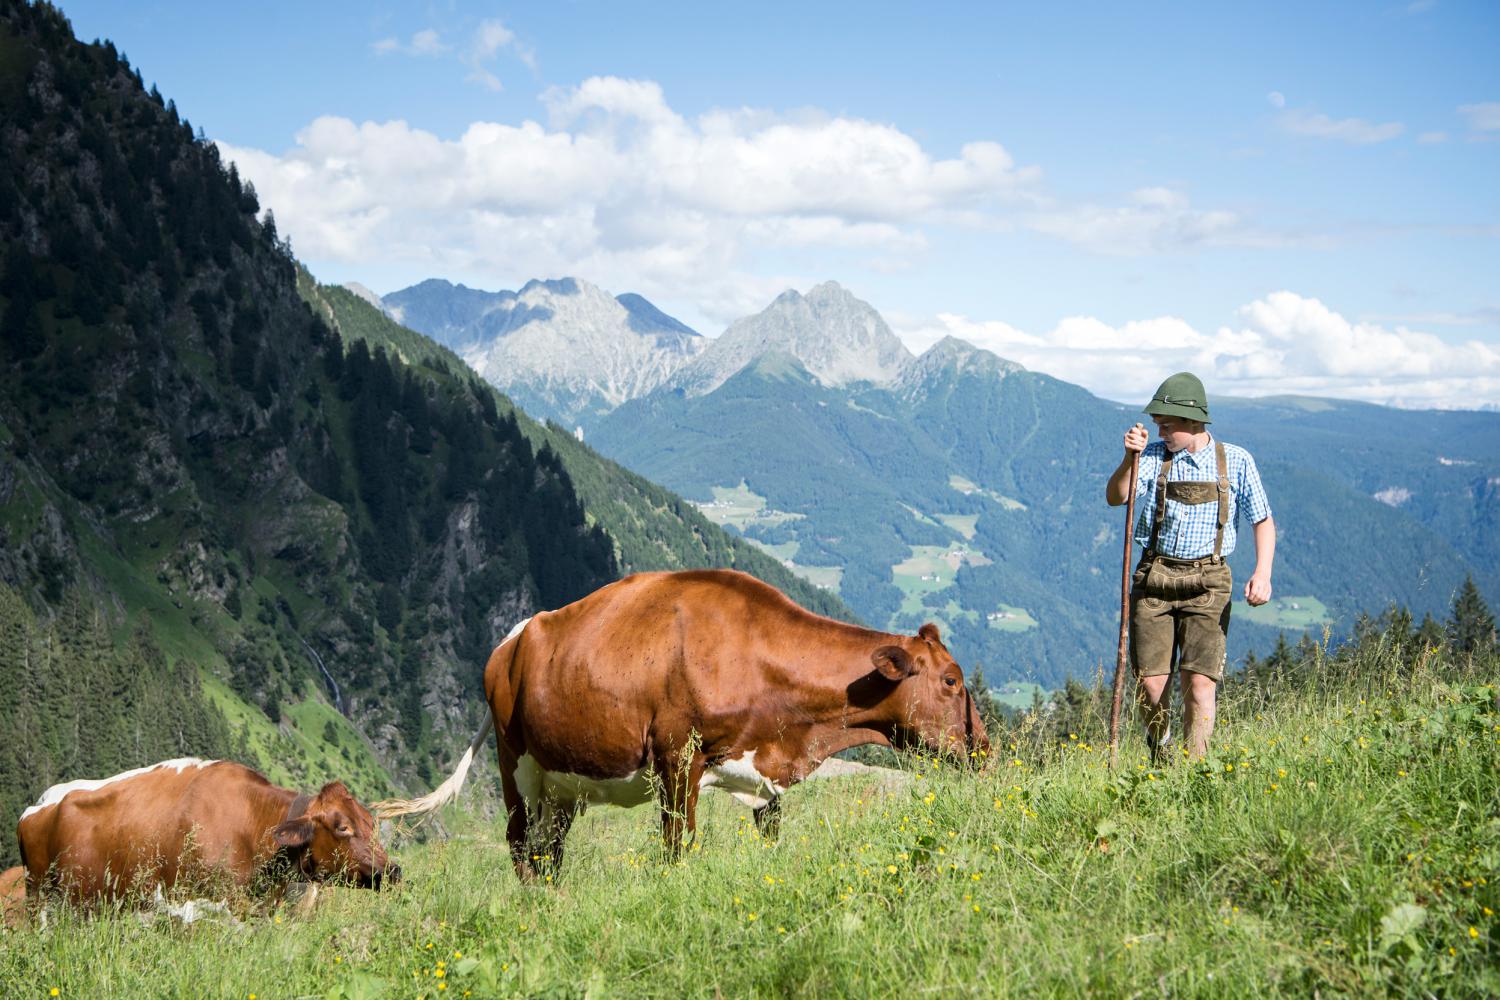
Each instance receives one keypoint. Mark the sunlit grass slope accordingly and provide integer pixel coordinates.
(1342, 840)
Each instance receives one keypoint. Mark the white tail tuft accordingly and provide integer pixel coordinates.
(448, 790)
(442, 794)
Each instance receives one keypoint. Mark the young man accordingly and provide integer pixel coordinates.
(1191, 491)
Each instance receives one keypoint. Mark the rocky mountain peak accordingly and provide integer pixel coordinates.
(563, 348)
(837, 337)
(950, 358)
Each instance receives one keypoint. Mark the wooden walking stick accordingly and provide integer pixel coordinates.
(1114, 712)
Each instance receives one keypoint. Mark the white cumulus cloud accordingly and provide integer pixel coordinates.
(424, 43)
(1151, 220)
(1482, 117)
(1300, 121)
(1284, 343)
(490, 40)
(621, 188)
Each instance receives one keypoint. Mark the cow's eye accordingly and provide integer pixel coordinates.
(950, 681)
(343, 831)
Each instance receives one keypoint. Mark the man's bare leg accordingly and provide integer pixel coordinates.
(1152, 696)
(1199, 706)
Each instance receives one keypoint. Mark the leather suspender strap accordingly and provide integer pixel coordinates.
(1221, 491)
(1161, 501)
(1223, 463)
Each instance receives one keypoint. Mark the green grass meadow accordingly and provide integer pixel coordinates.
(1286, 612)
(1342, 839)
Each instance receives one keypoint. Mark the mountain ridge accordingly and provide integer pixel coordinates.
(564, 348)
(837, 337)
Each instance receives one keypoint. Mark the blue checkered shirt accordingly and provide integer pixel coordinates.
(1187, 530)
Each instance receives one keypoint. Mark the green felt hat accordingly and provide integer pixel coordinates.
(1181, 395)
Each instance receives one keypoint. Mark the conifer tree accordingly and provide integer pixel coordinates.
(1282, 660)
(1472, 627)
(1430, 635)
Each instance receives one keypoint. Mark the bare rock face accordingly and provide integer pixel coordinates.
(570, 352)
(564, 350)
(947, 359)
(837, 337)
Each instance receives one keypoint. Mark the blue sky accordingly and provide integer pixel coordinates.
(1286, 197)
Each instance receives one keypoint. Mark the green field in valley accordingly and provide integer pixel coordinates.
(784, 552)
(1285, 612)
(827, 577)
(1018, 694)
(961, 523)
(929, 569)
(1011, 619)
(740, 507)
(968, 487)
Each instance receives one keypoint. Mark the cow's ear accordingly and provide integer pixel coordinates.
(930, 633)
(893, 662)
(293, 833)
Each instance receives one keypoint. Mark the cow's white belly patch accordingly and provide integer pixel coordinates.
(738, 777)
(535, 784)
(57, 793)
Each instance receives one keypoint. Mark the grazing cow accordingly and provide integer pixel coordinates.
(13, 896)
(674, 682)
(189, 818)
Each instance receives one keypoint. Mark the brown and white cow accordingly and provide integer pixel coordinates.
(194, 819)
(667, 683)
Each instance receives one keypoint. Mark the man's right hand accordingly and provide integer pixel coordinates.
(1137, 438)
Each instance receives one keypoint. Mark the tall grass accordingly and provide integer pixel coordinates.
(1343, 838)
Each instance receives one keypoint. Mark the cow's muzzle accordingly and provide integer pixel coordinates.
(390, 873)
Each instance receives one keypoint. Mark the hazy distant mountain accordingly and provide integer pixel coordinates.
(444, 311)
(949, 355)
(838, 338)
(564, 350)
(366, 294)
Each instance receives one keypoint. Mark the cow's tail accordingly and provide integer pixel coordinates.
(444, 793)
(448, 790)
